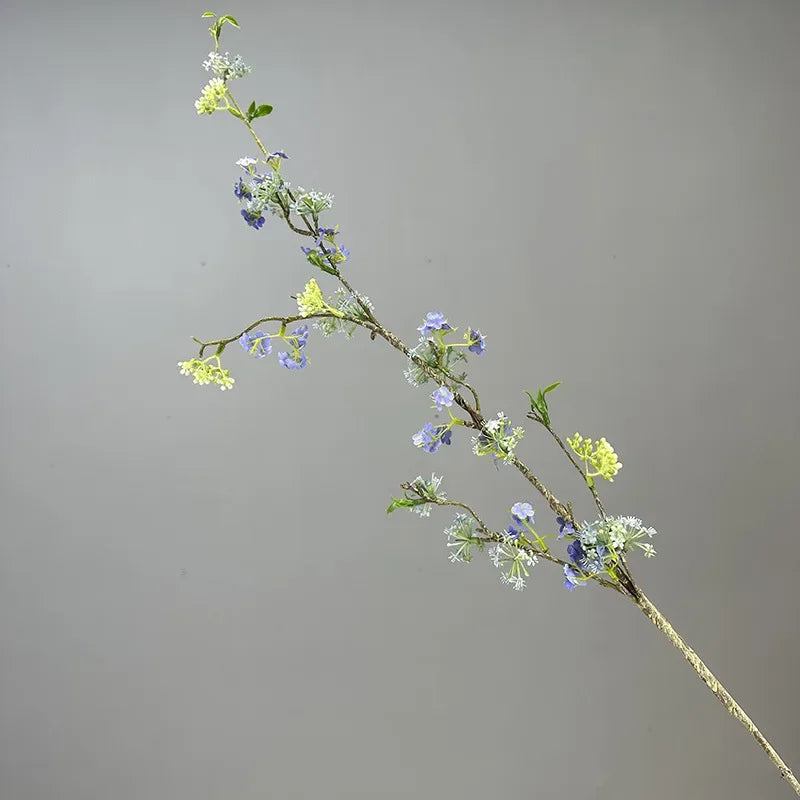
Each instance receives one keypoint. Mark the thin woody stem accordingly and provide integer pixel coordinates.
(710, 680)
(577, 466)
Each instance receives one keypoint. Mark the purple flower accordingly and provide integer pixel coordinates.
(477, 341)
(253, 219)
(307, 250)
(322, 232)
(522, 511)
(241, 189)
(277, 154)
(571, 578)
(299, 334)
(431, 438)
(257, 344)
(576, 552)
(512, 532)
(434, 321)
(285, 360)
(442, 397)
(565, 527)
(344, 251)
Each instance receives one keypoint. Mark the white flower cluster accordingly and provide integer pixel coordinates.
(226, 68)
(498, 438)
(513, 561)
(313, 203)
(349, 306)
(461, 537)
(415, 373)
(603, 541)
(427, 489)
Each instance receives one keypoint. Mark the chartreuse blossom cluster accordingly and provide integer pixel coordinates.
(207, 370)
(599, 455)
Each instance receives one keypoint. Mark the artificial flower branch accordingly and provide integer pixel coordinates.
(597, 550)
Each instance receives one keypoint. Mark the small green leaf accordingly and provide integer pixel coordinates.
(235, 113)
(229, 18)
(262, 111)
(209, 14)
(220, 349)
(551, 387)
(252, 107)
(402, 503)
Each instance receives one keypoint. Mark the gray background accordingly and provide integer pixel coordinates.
(201, 596)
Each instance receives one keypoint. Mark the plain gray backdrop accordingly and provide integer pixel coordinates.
(201, 597)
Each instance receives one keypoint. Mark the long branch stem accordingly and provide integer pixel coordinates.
(710, 680)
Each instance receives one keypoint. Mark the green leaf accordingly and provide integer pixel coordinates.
(209, 14)
(551, 387)
(229, 18)
(402, 503)
(262, 111)
(235, 113)
(220, 349)
(251, 108)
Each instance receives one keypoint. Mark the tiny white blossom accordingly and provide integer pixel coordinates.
(515, 581)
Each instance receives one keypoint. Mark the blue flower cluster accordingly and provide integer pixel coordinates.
(435, 353)
(259, 345)
(259, 192)
(598, 547)
(432, 437)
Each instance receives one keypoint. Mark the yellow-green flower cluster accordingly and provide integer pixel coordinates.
(600, 455)
(205, 372)
(209, 99)
(312, 301)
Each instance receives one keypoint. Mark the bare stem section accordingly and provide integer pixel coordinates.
(721, 693)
